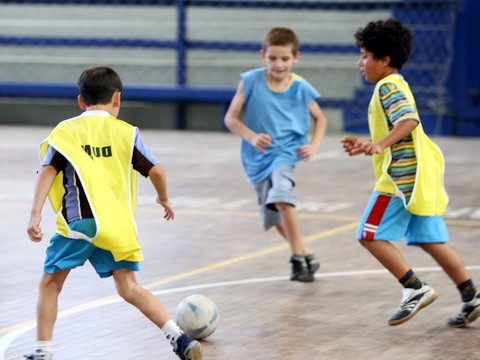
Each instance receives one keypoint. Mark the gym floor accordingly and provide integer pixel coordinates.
(216, 247)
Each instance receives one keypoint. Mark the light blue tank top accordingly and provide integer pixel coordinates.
(285, 116)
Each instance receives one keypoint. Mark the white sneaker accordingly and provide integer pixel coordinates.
(469, 313)
(413, 300)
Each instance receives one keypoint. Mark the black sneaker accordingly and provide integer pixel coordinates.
(39, 355)
(469, 313)
(300, 269)
(312, 263)
(186, 348)
(413, 300)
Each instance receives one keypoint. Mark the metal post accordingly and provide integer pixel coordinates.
(180, 114)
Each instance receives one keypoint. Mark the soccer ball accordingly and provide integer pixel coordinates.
(197, 316)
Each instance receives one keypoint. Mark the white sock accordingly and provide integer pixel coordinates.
(171, 330)
(45, 346)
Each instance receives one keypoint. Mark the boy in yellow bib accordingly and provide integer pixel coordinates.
(88, 171)
(409, 196)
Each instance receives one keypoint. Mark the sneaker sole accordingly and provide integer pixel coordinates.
(194, 352)
(473, 316)
(457, 326)
(304, 280)
(428, 300)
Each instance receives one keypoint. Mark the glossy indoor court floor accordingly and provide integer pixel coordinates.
(215, 247)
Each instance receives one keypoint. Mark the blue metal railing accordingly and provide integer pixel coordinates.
(182, 92)
(182, 44)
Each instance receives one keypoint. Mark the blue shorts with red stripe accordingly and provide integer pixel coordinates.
(386, 218)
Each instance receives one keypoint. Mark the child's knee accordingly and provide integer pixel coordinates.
(126, 282)
(126, 292)
(53, 282)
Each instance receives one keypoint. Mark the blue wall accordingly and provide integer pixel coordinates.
(464, 79)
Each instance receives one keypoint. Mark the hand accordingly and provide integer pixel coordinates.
(169, 213)
(354, 146)
(307, 151)
(366, 147)
(34, 231)
(260, 141)
(348, 143)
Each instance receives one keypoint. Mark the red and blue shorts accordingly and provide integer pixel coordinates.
(386, 218)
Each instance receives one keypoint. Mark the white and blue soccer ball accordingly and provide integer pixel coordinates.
(197, 315)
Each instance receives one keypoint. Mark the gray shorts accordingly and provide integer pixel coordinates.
(277, 188)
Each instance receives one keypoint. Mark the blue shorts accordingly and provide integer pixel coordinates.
(385, 218)
(277, 188)
(65, 254)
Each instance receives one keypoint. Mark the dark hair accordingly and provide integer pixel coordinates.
(281, 36)
(98, 84)
(386, 38)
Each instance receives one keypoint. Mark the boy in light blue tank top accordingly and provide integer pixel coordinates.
(277, 107)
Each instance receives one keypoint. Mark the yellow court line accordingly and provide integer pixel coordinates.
(252, 255)
(302, 215)
(326, 233)
(170, 279)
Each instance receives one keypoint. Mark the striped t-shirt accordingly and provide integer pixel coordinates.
(397, 108)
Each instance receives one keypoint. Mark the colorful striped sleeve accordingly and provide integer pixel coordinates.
(396, 105)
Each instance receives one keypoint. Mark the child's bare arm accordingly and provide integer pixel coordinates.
(159, 180)
(399, 131)
(236, 126)
(320, 126)
(45, 178)
(355, 146)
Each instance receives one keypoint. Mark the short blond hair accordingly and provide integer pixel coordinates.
(281, 36)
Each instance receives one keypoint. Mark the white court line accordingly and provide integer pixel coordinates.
(10, 337)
